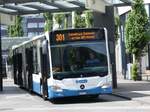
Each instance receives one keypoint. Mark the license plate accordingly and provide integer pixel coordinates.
(82, 93)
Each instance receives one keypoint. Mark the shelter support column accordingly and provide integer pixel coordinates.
(1, 77)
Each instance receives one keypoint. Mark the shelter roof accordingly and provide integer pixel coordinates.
(22, 7)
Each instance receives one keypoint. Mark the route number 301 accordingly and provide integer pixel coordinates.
(60, 37)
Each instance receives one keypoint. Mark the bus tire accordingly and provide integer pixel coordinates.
(44, 97)
(94, 96)
(53, 100)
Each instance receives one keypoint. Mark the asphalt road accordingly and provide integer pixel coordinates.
(14, 99)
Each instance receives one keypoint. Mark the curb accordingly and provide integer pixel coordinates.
(121, 96)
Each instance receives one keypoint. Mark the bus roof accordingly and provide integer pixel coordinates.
(71, 29)
(54, 31)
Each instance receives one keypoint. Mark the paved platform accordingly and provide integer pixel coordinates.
(135, 90)
(14, 99)
(128, 88)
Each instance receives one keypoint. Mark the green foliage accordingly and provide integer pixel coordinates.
(134, 71)
(60, 19)
(11, 30)
(136, 38)
(16, 30)
(49, 21)
(147, 34)
(79, 20)
(84, 19)
(89, 19)
(66, 21)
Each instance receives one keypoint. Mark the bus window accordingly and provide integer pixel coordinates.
(79, 59)
(35, 60)
(57, 62)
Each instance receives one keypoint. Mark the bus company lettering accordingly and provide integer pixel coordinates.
(82, 81)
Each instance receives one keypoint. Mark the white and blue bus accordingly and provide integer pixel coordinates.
(64, 63)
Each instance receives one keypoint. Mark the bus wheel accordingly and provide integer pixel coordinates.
(94, 96)
(54, 101)
(44, 97)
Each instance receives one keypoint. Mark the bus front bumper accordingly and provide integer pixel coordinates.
(66, 92)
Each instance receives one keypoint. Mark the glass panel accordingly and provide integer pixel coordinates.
(41, 25)
(84, 58)
(35, 60)
(32, 25)
(31, 34)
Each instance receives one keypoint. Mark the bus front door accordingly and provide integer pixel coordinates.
(29, 67)
(44, 68)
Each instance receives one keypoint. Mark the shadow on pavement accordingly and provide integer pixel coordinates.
(86, 99)
(75, 100)
(12, 90)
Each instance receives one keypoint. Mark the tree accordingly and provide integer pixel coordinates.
(18, 26)
(60, 19)
(89, 19)
(66, 23)
(79, 20)
(16, 30)
(48, 21)
(136, 31)
(11, 30)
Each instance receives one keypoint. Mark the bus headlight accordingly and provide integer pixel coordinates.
(56, 88)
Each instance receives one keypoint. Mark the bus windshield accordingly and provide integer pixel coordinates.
(79, 60)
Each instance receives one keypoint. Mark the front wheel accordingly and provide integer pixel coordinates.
(44, 97)
(94, 96)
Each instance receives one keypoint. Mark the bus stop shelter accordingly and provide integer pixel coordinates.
(23, 7)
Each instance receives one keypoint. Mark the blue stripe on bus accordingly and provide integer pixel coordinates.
(36, 87)
(65, 92)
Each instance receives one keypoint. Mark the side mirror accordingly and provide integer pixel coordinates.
(45, 47)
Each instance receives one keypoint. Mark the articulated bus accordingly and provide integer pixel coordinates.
(64, 63)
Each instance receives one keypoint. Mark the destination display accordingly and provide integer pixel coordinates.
(77, 35)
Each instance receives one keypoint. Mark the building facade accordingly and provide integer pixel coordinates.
(4, 30)
(33, 25)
